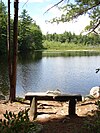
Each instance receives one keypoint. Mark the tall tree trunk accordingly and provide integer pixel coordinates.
(14, 54)
(9, 44)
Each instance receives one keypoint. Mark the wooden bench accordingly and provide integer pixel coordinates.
(34, 97)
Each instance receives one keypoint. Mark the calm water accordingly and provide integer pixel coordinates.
(70, 72)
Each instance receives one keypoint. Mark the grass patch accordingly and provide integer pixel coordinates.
(52, 45)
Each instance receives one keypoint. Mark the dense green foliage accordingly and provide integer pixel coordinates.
(72, 38)
(3, 28)
(73, 9)
(29, 33)
(14, 123)
(67, 40)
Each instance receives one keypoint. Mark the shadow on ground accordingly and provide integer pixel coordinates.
(74, 124)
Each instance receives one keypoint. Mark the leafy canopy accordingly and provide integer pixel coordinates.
(3, 30)
(30, 35)
(72, 10)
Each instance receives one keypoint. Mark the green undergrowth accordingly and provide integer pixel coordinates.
(93, 124)
(53, 45)
(18, 123)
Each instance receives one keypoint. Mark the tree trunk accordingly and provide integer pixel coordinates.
(14, 53)
(9, 44)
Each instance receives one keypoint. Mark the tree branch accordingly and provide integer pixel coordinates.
(93, 30)
(25, 3)
(53, 6)
(83, 11)
(77, 14)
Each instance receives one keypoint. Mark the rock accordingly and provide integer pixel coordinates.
(95, 91)
(55, 92)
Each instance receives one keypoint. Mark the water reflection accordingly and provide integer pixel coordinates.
(29, 57)
(26, 71)
(71, 72)
(70, 53)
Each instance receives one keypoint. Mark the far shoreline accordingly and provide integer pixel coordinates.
(69, 50)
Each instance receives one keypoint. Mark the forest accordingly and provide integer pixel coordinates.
(29, 33)
(30, 36)
(69, 40)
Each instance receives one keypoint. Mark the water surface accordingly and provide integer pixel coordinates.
(70, 72)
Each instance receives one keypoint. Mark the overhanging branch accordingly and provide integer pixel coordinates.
(54, 6)
(85, 10)
(25, 3)
(94, 28)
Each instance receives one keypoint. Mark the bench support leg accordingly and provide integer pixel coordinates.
(72, 107)
(33, 108)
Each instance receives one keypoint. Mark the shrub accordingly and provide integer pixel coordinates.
(15, 123)
(94, 125)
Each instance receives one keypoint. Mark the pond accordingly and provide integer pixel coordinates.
(69, 71)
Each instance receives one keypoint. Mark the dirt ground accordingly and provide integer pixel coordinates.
(54, 115)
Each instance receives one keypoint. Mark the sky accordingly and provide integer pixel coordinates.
(37, 8)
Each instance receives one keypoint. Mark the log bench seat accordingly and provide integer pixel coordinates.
(34, 97)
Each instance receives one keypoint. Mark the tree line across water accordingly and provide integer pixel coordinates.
(30, 36)
(67, 40)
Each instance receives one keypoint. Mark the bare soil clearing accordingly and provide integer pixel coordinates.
(54, 115)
